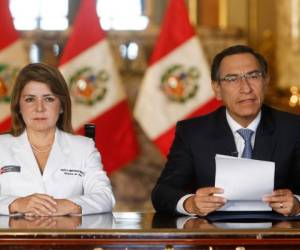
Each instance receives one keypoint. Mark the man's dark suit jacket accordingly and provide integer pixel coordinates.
(191, 161)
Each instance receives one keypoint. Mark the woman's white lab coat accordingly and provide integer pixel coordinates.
(73, 171)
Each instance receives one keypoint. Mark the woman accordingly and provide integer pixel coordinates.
(44, 169)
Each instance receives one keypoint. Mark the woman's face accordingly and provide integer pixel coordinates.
(39, 107)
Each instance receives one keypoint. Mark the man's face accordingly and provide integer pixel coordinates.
(242, 96)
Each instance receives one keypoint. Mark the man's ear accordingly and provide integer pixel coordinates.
(217, 89)
(266, 82)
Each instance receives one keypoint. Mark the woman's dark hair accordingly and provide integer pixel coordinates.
(50, 76)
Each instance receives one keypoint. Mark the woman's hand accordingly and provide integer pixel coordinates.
(43, 205)
(33, 222)
(66, 207)
(34, 205)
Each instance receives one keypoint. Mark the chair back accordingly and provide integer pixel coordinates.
(90, 130)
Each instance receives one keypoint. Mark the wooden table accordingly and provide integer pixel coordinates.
(144, 231)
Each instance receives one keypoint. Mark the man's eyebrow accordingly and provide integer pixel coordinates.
(249, 72)
(253, 71)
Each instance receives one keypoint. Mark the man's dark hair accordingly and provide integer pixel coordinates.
(233, 50)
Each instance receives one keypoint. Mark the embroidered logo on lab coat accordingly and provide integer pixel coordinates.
(10, 168)
(72, 172)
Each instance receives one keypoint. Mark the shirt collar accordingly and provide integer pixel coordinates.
(235, 126)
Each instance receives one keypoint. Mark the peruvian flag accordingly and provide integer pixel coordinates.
(97, 93)
(177, 82)
(13, 57)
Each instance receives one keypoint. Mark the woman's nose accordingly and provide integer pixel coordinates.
(40, 105)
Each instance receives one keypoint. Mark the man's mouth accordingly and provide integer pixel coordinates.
(245, 101)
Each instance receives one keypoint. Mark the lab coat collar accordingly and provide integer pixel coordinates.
(24, 155)
(58, 154)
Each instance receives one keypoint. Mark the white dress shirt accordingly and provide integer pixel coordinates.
(239, 142)
(238, 139)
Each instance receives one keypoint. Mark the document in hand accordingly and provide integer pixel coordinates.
(245, 182)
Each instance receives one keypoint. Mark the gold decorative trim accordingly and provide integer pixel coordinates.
(253, 22)
(223, 13)
(193, 11)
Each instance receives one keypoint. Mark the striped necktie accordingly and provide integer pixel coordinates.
(246, 134)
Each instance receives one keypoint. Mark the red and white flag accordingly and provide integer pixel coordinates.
(13, 57)
(97, 93)
(177, 82)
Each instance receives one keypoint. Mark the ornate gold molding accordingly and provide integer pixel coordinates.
(253, 22)
(223, 13)
(193, 11)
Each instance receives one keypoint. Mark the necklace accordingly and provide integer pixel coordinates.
(35, 149)
(41, 149)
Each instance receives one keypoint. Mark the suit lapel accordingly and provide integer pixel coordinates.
(224, 140)
(265, 140)
(24, 155)
(58, 155)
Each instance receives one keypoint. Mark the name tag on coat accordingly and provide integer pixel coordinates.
(10, 168)
(74, 172)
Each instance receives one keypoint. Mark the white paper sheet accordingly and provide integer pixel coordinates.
(245, 182)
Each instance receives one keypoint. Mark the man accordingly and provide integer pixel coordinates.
(239, 79)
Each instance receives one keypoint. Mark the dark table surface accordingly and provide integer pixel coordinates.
(137, 229)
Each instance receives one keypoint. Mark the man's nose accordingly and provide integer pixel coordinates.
(245, 85)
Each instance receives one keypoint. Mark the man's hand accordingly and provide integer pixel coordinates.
(283, 201)
(204, 201)
(198, 223)
(34, 205)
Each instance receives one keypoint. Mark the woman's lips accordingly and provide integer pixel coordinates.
(40, 118)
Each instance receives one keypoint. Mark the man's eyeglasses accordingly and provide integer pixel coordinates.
(251, 77)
